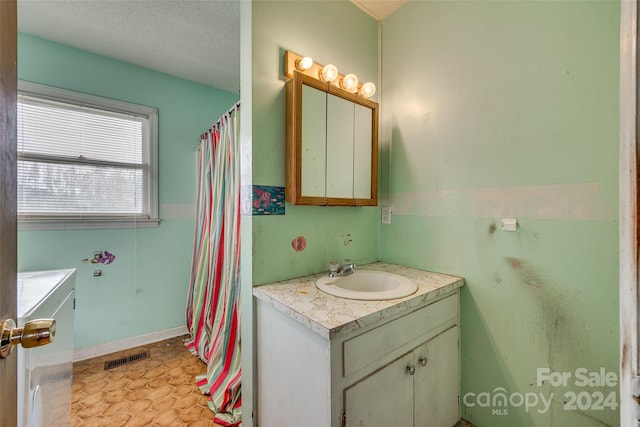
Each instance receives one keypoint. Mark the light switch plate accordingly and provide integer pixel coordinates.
(386, 214)
(509, 224)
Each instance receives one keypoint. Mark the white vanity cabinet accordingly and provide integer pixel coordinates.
(419, 389)
(395, 367)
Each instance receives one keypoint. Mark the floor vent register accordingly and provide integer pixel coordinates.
(125, 360)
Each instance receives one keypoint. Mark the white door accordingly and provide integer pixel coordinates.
(8, 107)
(629, 385)
(385, 398)
(437, 380)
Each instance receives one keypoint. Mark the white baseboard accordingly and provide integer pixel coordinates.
(89, 352)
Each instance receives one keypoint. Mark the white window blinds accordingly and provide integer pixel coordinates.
(83, 161)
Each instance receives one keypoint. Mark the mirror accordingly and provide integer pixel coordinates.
(332, 145)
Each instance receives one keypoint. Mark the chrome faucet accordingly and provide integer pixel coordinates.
(349, 267)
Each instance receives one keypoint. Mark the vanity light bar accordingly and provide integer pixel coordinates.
(328, 73)
(304, 63)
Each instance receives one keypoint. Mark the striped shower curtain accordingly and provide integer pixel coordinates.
(212, 311)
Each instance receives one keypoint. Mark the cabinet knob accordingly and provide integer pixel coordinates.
(411, 369)
(423, 361)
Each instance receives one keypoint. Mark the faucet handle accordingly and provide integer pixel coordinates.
(333, 266)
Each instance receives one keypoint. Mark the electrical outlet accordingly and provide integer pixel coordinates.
(386, 214)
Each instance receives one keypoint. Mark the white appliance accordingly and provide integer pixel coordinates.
(45, 373)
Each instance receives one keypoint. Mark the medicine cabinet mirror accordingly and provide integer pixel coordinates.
(332, 145)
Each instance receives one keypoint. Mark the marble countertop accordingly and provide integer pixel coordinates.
(330, 316)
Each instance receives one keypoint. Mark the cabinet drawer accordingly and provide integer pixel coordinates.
(365, 349)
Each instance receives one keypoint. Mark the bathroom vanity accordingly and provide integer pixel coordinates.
(45, 373)
(327, 361)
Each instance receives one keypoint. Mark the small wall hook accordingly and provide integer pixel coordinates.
(97, 256)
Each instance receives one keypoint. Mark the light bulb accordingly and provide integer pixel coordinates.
(367, 89)
(329, 73)
(350, 83)
(304, 63)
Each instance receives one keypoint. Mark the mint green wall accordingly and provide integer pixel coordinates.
(331, 32)
(144, 290)
(510, 109)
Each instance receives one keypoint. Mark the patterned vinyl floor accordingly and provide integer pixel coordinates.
(158, 390)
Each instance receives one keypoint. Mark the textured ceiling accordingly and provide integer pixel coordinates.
(193, 39)
(197, 40)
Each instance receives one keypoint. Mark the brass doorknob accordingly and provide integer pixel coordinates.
(35, 333)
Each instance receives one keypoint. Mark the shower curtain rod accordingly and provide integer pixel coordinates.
(230, 110)
(204, 135)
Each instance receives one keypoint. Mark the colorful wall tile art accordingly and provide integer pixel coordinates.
(266, 200)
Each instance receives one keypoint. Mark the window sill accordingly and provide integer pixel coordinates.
(84, 223)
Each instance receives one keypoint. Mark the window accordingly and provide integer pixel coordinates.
(84, 161)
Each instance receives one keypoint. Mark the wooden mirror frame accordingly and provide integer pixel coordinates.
(293, 190)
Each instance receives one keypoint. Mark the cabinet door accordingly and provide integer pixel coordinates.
(313, 146)
(385, 398)
(437, 383)
(340, 147)
(362, 152)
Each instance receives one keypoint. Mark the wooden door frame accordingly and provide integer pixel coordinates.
(628, 214)
(8, 200)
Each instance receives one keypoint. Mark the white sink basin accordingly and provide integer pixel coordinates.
(367, 285)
